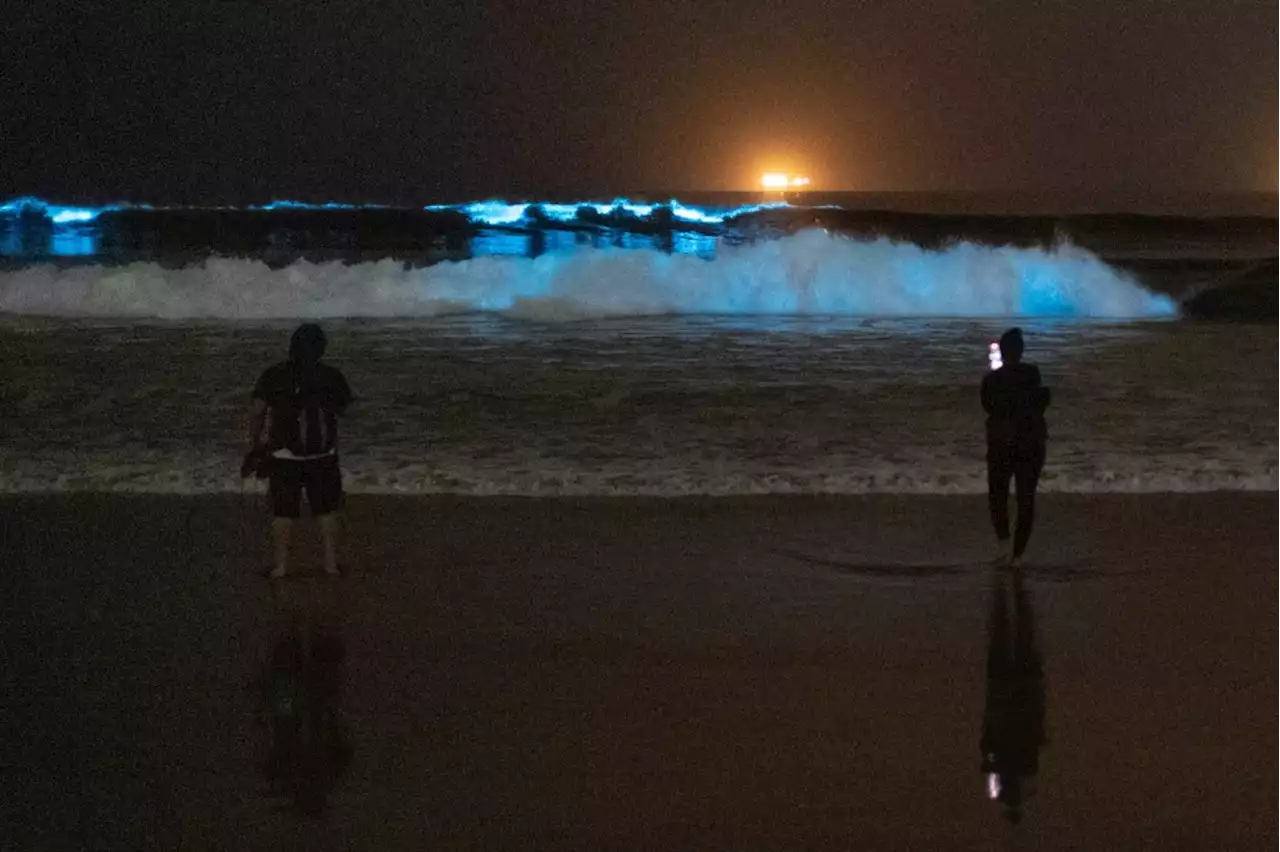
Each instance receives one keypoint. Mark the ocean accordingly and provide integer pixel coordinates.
(716, 345)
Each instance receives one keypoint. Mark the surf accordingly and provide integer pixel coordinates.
(812, 272)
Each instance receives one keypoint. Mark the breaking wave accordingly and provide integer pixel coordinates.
(811, 272)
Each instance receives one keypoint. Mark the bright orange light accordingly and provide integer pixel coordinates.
(779, 181)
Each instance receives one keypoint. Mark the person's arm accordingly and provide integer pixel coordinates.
(257, 419)
(988, 395)
(258, 410)
(1042, 392)
(342, 392)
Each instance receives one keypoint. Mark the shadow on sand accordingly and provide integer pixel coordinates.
(1061, 572)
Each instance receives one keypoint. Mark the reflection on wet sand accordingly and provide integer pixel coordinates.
(309, 749)
(1013, 719)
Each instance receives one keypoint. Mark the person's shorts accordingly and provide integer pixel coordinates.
(320, 478)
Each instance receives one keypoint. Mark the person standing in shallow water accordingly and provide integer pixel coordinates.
(1015, 401)
(298, 401)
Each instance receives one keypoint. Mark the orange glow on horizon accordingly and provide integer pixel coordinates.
(781, 181)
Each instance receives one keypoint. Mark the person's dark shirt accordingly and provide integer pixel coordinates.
(289, 385)
(1015, 400)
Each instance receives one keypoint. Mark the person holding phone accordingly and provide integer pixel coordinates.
(1015, 401)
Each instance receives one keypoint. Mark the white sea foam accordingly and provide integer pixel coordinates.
(413, 476)
(808, 273)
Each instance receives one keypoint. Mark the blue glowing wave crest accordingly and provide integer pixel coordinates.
(58, 214)
(808, 273)
(494, 212)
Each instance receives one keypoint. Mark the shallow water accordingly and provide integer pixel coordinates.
(671, 405)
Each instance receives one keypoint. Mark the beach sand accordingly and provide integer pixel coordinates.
(756, 673)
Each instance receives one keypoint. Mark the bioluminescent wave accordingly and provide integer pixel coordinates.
(493, 212)
(58, 214)
(808, 273)
(503, 213)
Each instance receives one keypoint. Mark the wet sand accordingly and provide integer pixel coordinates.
(764, 673)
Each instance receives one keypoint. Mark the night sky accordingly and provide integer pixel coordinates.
(418, 101)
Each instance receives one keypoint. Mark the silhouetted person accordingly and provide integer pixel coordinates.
(1015, 401)
(1013, 720)
(299, 401)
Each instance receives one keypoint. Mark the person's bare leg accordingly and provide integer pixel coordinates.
(329, 538)
(281, 534)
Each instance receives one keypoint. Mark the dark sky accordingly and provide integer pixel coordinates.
(417, 101)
